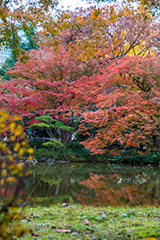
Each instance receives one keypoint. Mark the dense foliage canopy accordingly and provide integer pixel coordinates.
(101, 64)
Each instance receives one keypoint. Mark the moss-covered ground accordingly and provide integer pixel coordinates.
(73, 221)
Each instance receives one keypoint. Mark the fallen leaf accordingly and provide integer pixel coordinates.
(103, 215)
(152, 238)
(86, 222)
(63, 230)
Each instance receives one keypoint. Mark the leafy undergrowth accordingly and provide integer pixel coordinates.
(73, 221)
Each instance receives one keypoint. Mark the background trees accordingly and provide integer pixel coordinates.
(15, 17)
(96, 63)
(112, 30)
(28, 42)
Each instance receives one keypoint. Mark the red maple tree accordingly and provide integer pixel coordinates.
(43, 85)
(126, 111)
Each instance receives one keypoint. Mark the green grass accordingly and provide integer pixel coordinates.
(78, 222)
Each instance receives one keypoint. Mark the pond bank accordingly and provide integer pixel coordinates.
(52, 161)
(74, 221)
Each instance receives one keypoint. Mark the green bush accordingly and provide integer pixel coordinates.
(44, 152)
(53, 144)
(74, 151)
(132, 156)
(36, 144)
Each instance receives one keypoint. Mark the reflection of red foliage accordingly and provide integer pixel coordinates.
(115, 196)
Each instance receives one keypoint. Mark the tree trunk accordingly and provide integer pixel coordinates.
(65, 136)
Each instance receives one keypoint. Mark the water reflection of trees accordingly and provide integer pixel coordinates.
(99, 186)
(100, 190)
(53, 186)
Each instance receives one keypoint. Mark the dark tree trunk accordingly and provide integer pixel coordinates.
(65, 136)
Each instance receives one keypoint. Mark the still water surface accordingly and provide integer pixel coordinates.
(96, 184)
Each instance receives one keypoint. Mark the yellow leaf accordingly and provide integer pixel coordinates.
(3, 147)
(4, 113)
(30, 150)
(23, 143)
(2, 120)
(12, 138)
(11, 179)
(16, 147)
(17, 118)
(3, 173)
(30, 158)
(2, 182)
(20, 166)
(18, 130)
(2, 125)
(21, 152)
(11, 159)
(12, 126)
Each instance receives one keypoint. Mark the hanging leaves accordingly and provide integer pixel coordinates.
(12, 174)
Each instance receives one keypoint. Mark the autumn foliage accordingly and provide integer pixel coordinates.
(113, 31)
(44, 84)
(100, 65)
(12, 174)
(127, 110)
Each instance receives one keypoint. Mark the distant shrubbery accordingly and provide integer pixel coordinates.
(74, 151)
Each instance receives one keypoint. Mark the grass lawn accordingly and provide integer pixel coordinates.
(73, 221)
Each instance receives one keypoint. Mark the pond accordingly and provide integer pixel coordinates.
(96, 184)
